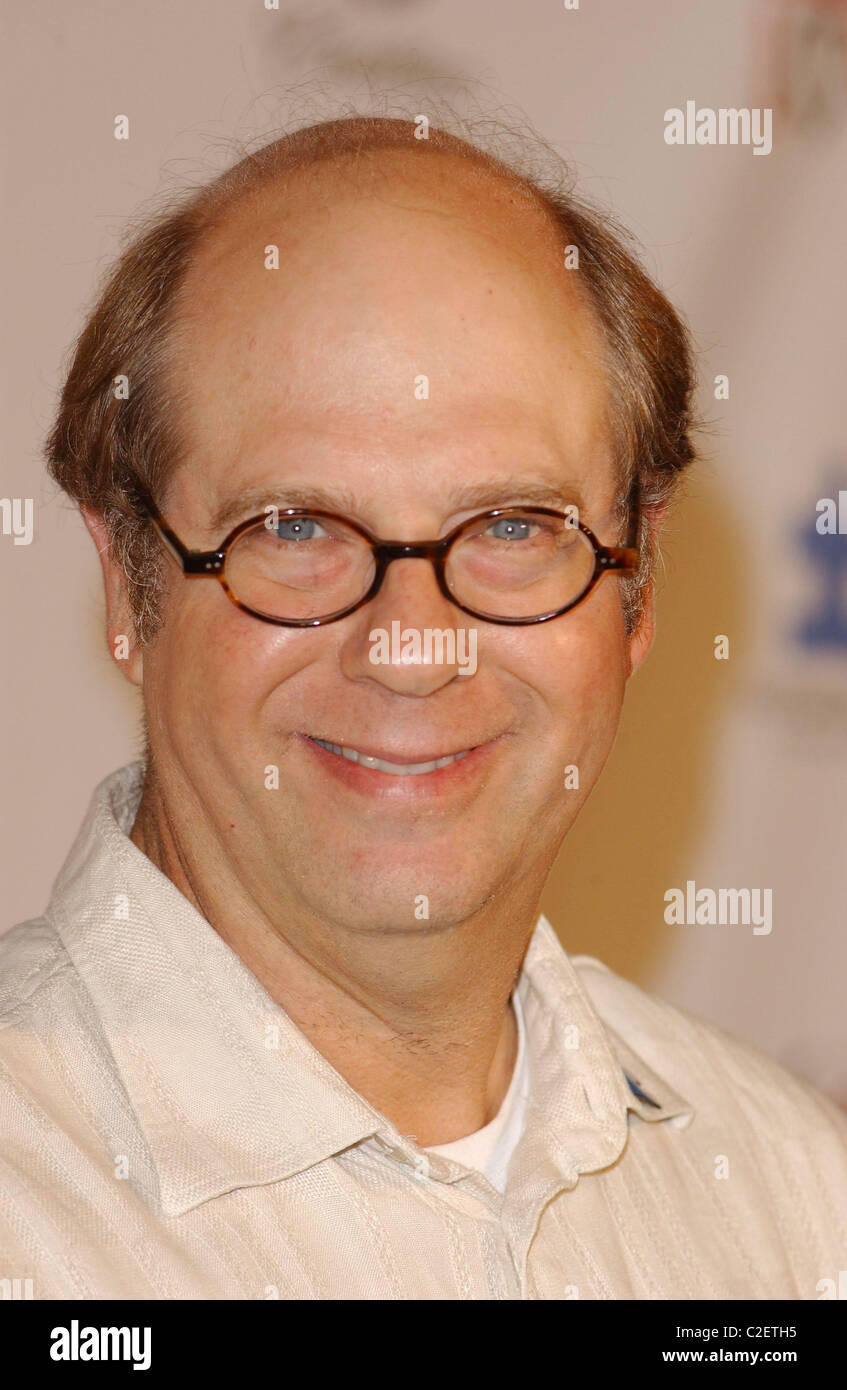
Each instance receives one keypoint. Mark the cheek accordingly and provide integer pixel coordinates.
(213, 667)
(580, 673)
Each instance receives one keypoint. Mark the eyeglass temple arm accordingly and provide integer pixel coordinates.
(633, 509)
(193, 562)
(618, 557)
(628, 556)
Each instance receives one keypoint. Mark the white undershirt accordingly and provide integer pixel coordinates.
(489, 1149)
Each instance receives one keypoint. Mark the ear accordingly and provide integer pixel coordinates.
(642, 638)
(120, 627)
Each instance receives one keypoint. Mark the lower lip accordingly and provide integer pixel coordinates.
(371, 782)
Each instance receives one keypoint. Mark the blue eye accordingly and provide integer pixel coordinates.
(510, 528)
(296, 528)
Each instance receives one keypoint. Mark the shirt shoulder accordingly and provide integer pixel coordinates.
(31, 957)
(729, 1083)
(64, 1112)
(48, 1021)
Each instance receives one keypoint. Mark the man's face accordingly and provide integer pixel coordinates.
(304, 378)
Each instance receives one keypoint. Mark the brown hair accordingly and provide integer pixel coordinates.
(99, 440)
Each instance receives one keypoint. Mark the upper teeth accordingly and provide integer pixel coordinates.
(380, 765)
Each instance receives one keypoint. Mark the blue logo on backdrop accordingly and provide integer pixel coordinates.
(824, 540)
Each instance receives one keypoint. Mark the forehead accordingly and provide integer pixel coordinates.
(400, 308)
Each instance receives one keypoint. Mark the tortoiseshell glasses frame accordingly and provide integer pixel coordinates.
(211, 564)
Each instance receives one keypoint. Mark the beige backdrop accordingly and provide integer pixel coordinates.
(728, 773)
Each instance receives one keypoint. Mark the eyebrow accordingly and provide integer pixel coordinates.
(496, 493)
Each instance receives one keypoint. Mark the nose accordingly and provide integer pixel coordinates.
(409, 639)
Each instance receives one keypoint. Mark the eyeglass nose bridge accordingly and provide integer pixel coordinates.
(384, 552)
(387, 551)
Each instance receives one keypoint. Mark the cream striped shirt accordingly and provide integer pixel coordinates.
(167, 1132)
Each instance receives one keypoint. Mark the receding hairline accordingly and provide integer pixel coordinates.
(351, 141)
(332, 172)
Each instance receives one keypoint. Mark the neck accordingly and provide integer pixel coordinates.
(419, 1024)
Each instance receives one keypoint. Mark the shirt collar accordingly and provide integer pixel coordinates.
(586, 1078)
(229, 1093)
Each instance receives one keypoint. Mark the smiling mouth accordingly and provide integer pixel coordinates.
(381, 765)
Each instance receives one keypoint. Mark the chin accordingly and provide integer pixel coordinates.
(420, 901)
